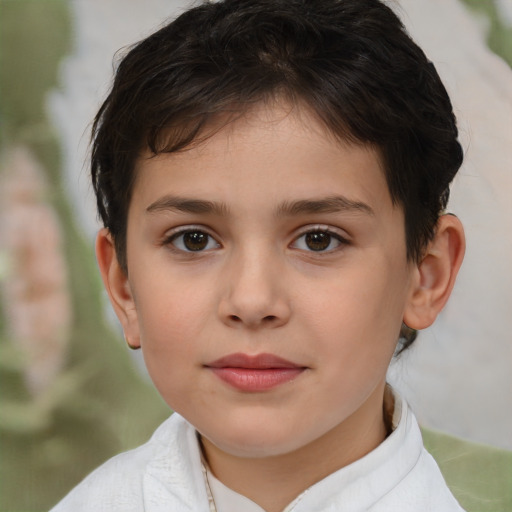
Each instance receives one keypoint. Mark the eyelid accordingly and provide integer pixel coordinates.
(340, 235)
(324, 228)
(187, 227)
(174, 233)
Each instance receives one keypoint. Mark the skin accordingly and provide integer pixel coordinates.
(264, 182)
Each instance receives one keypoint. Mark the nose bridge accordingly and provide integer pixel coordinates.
(255, 294)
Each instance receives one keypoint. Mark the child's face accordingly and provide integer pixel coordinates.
(270, 238)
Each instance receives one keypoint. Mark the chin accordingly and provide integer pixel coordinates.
(255, 442)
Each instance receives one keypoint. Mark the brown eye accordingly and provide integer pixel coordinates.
(318, 240)
(193, 241)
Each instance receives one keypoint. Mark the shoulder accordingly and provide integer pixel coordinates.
(423, 488)
(117, 485)
(418, 483)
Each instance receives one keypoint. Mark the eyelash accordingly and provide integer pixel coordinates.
(171, 239)
(324, 230)
(321, 230)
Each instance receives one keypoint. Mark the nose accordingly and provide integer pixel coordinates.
(254, 293)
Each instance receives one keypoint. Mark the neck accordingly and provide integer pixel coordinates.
(273, 482)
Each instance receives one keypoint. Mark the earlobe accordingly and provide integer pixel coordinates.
(118, 288)
(435, 275)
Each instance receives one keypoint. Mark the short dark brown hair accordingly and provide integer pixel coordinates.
(350, 61)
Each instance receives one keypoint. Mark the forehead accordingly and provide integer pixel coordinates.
(281, 149)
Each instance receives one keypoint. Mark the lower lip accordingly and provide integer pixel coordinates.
(255, 380)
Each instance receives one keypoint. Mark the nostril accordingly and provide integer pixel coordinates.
(269, 319)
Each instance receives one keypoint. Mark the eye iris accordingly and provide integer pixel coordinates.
(195, 240)
(318, 241)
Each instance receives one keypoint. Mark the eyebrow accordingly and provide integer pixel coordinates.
(332, 204)
(187, 205)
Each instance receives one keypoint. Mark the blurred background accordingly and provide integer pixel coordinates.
(71, 394)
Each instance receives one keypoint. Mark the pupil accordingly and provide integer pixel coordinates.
(195, 240)
(318, 241)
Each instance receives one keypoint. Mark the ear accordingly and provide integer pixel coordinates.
(435, 274)
(118, 287)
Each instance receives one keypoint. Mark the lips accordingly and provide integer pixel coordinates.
(261, 372)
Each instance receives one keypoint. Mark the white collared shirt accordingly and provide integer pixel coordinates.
(166, 475)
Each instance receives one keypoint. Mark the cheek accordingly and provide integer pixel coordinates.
(172, 323)
(169, 341)
(172, 308)
(359, 315)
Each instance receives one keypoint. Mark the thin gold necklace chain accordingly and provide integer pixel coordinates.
(211, 501)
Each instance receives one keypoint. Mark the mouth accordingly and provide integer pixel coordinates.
(261, 372)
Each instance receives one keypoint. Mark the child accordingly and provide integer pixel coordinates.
(272, 176)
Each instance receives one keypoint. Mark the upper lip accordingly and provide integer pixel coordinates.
(258, 361)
